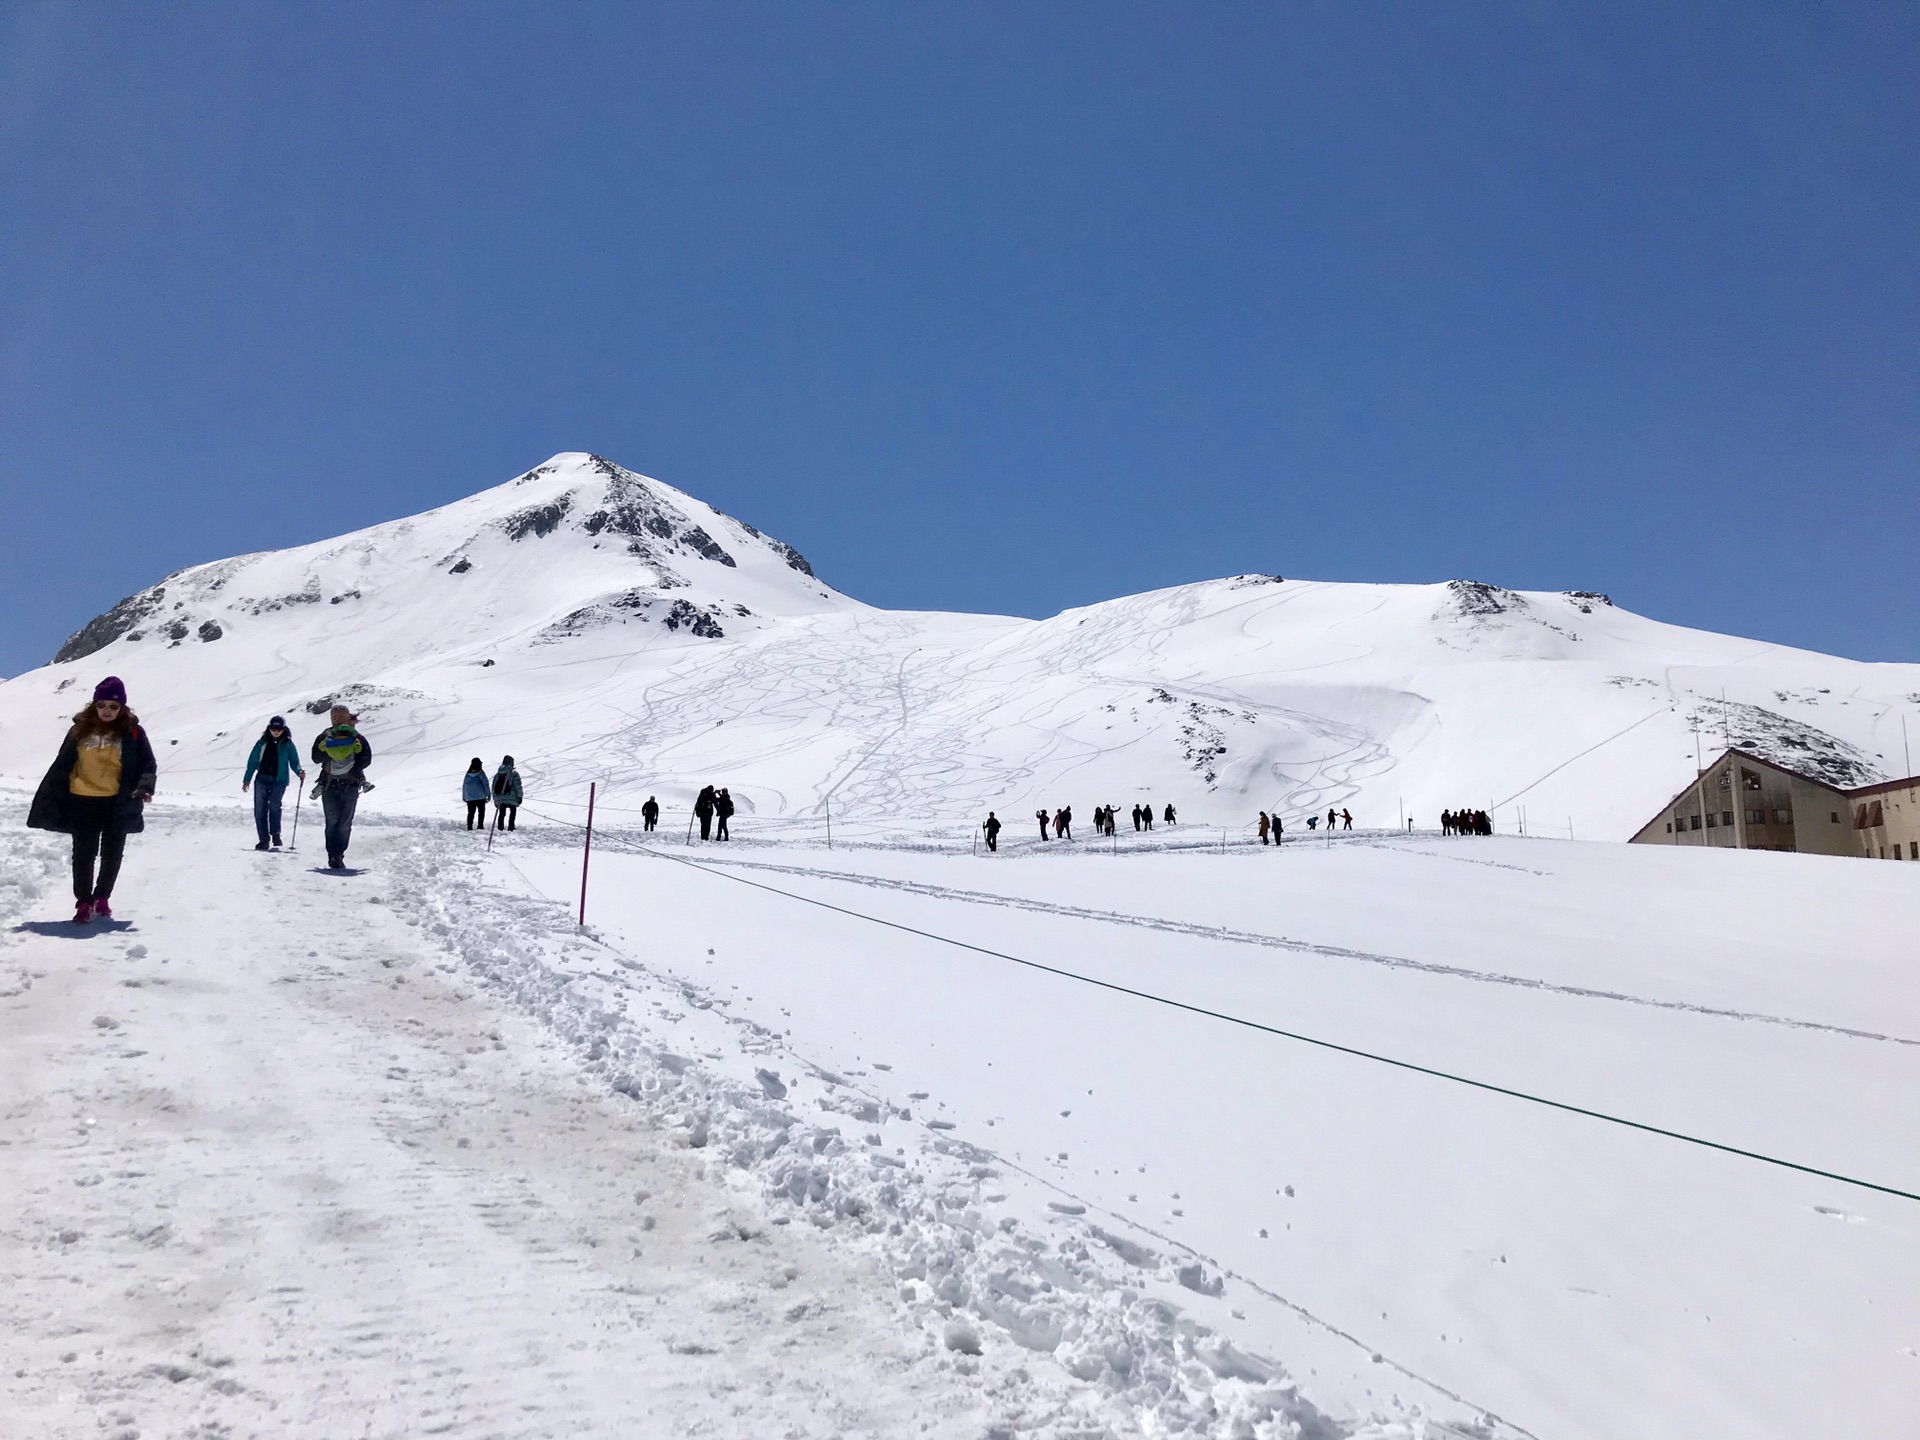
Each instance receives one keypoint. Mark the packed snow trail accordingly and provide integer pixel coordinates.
(276, 1166)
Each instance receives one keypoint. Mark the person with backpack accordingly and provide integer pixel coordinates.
(475, 790)
(94, 790)
(992, 827)
(341, 754)
(275, 758)
(506, 795)
(1169, 815)
(722, 811)
(650, 813)
(703, 811)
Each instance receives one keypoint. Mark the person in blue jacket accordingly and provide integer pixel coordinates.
(275, 757)
(95, 791)
(506, 795)
(473, 790)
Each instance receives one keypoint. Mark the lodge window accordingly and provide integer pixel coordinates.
(1726, 817)
(1712, 820)
(1913, 848)
(1693, 822)
(1749, 780)
(1756, 817)
(1783, 817)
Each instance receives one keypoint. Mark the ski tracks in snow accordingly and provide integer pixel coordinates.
(1226, 935)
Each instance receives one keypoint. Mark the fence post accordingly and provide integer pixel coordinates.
(586, 853)
(829, 804)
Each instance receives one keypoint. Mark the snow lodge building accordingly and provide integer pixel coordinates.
(1741, 802)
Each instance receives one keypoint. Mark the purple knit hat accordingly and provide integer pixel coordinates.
(110, 689)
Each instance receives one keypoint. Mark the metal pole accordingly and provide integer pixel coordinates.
(829, 805)
(300, 795)
(586, 853)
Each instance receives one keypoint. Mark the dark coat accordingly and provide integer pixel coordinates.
(723, 805)
(138, 775)
(703, 802)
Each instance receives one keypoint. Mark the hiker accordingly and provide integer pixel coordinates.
(1263, 827)
(1277, 827)
(1146, 814)
(474, 790)
(1066, 822)
(723, 809)
(1041, 816)
(342, 754)
(1312, 821)
(507, 795)
(1136, 817)
(703, 808)
(992, 827)
(1168, 817)
(93, 791)
(275, 757)
(1446, 822)
(1346, 818)
(650, 813)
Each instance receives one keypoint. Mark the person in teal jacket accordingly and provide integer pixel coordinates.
(473, 790)
(506, 794)
(275, 757)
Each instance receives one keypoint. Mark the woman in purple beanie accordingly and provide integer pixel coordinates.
(94, 791)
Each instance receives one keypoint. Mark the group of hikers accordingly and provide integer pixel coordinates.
(1465, 822)
(104, 774)
(709, 806)
(504, 790)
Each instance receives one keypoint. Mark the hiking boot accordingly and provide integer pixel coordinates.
(261, 846)
(83, 912)
(276, 842)
(102, 910)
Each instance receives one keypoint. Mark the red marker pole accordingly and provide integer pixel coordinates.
(586, 853)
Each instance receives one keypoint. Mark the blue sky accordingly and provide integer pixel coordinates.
(993, 307)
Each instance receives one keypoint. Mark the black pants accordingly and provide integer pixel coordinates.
(993, 840)
(650, 822)
(706, 826)
(337, 804)
(721, 833)
(476, 810)
(96, 835)
(503, 815)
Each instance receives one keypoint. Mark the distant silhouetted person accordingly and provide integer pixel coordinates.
(650, 813)
(1346, 820)
(475, 790)
(1263, 827)
(1332, 816)
(1041, 816)
(703, 811)
(992, 827)
(1168, 817)
(1136, 817)
(723, 810)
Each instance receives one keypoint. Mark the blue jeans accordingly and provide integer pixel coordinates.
(339, 802)
(266, 808)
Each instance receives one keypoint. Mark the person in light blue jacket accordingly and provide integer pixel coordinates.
(475, 791)
(275, 757)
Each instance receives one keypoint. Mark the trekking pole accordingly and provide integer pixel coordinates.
(299, 795)
(689, 827)
(495, 826)
(829, 805)
(586, 853)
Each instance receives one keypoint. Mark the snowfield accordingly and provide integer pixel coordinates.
(406, 1152)
(849, 1128)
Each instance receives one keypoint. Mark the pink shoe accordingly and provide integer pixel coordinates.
(102, 910)
(83, 912)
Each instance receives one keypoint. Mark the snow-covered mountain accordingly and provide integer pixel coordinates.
(601, 625)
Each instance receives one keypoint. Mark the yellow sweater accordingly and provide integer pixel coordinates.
(97, 771)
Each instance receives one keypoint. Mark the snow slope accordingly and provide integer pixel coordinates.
(602, 626)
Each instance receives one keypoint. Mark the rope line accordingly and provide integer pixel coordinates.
(1295, 1035)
